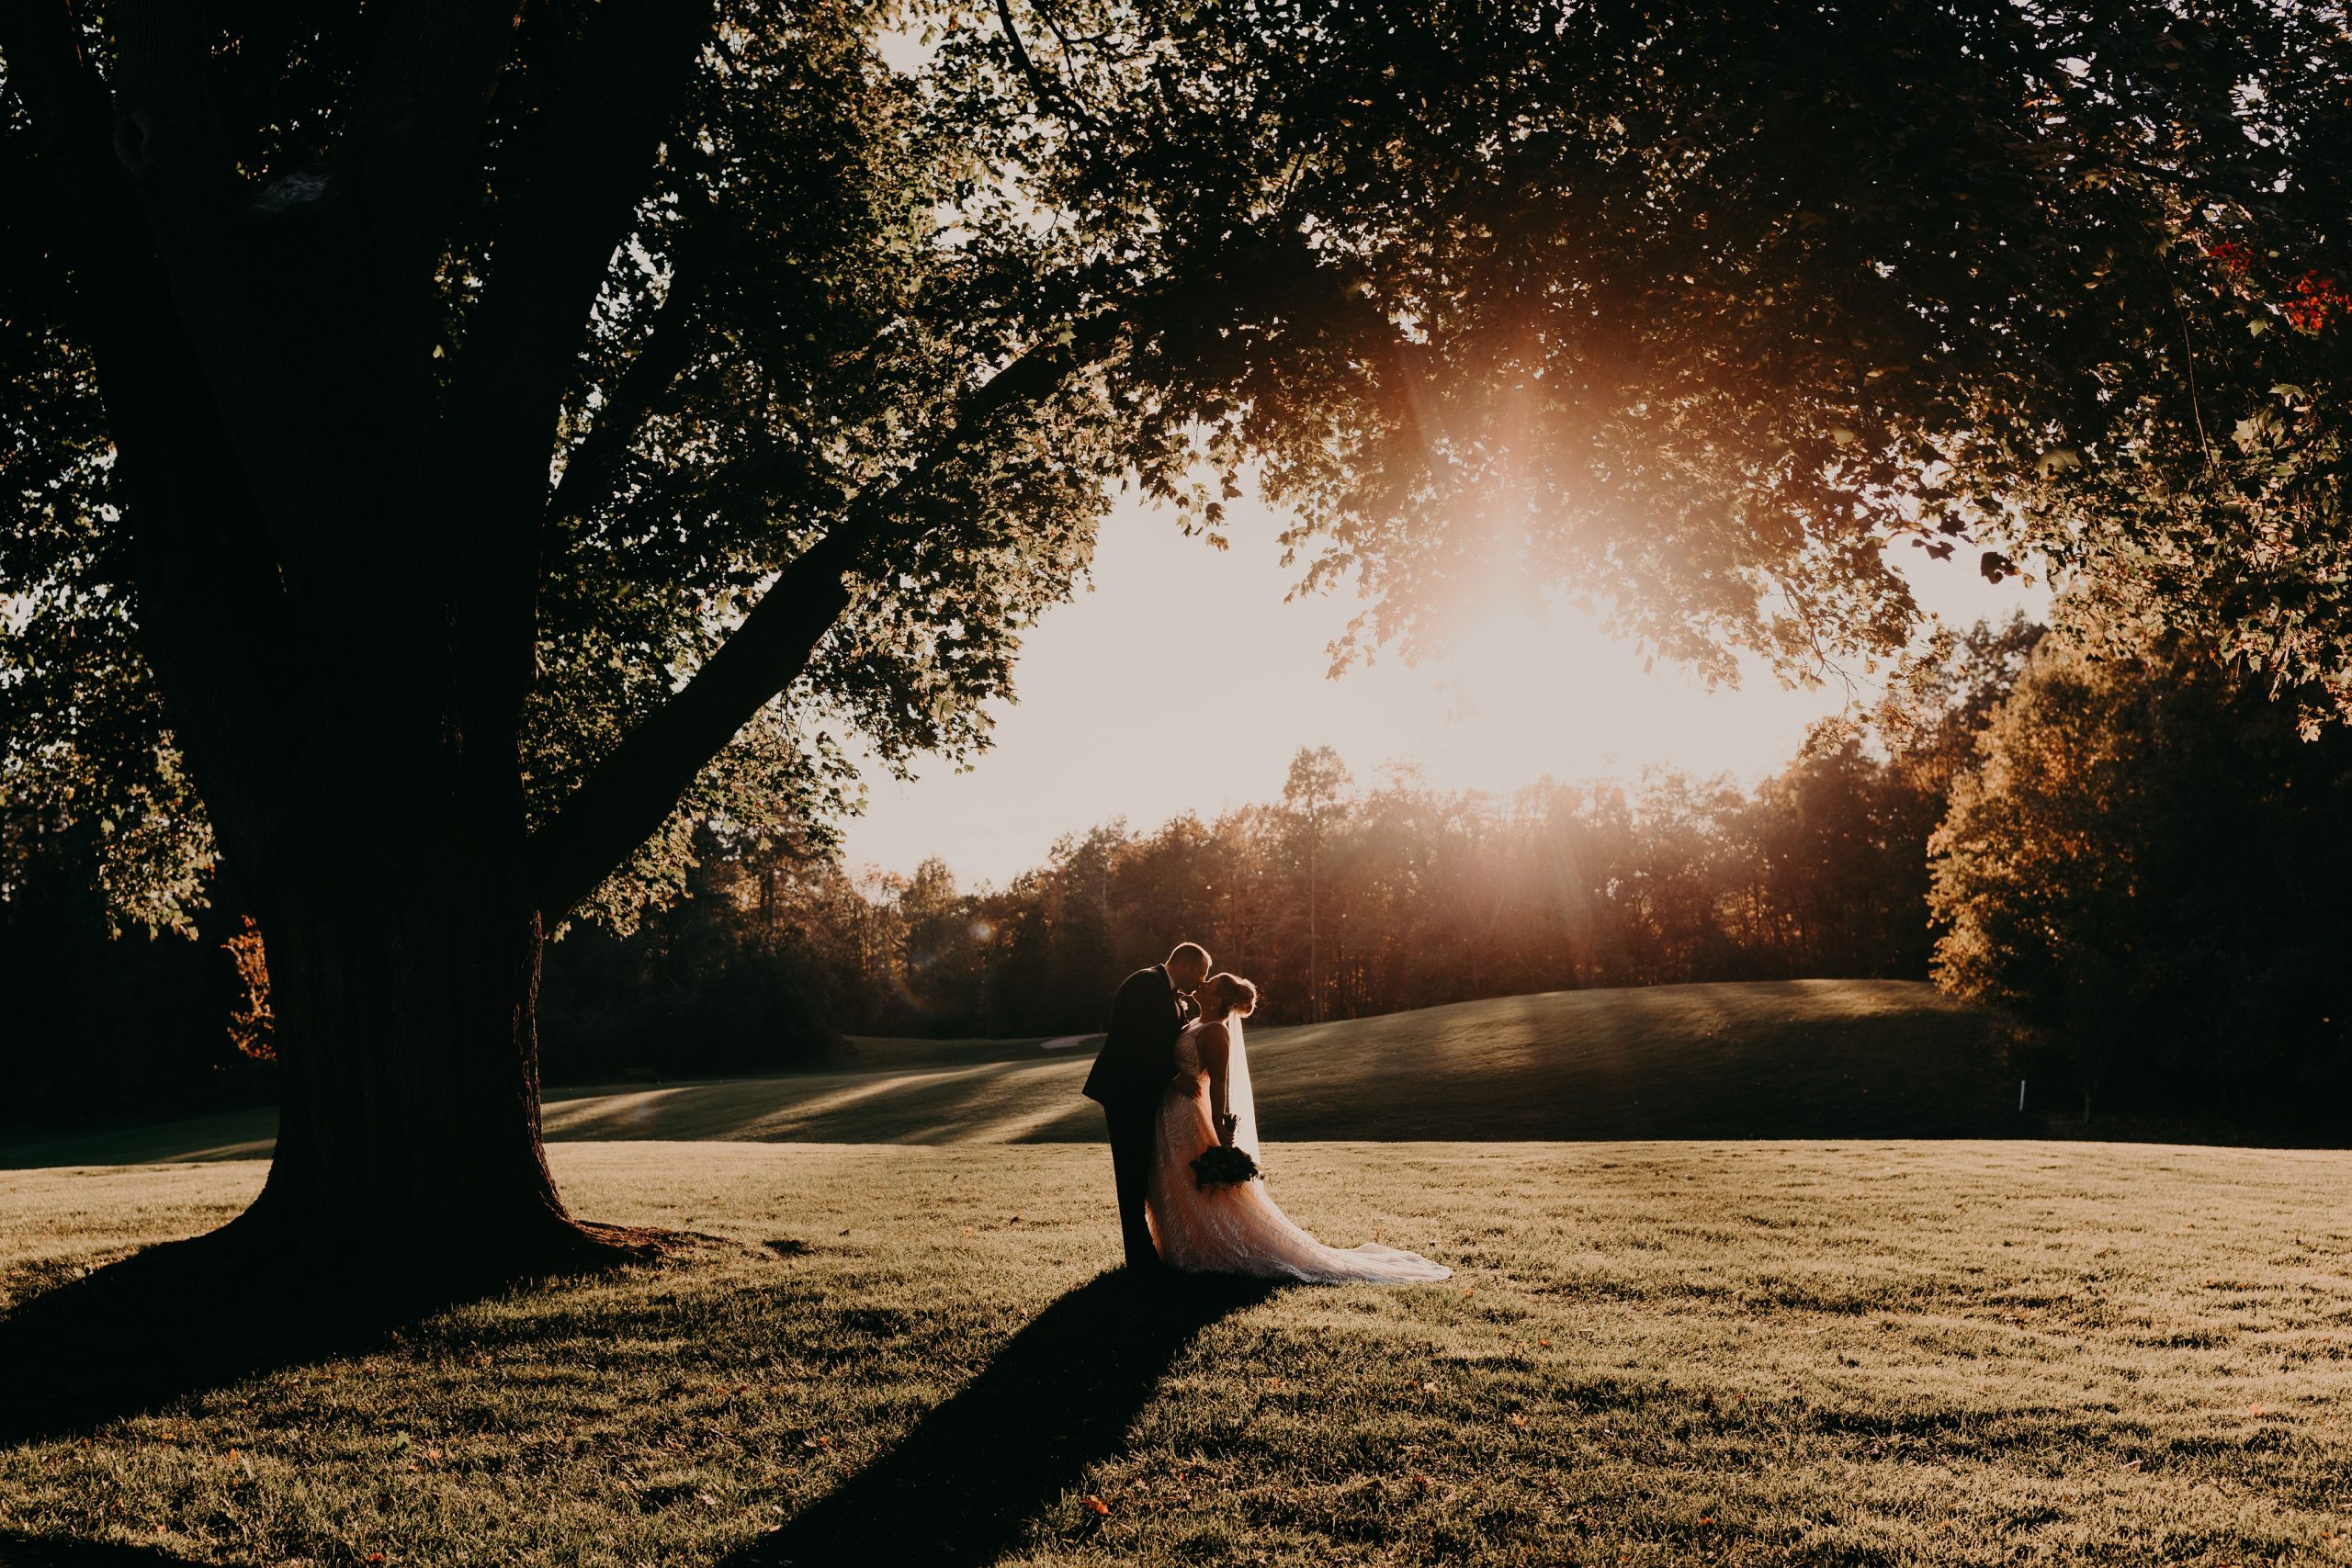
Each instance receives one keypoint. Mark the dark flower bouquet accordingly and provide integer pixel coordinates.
(1224, 1165)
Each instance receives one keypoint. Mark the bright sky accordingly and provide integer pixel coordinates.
(1188, 656)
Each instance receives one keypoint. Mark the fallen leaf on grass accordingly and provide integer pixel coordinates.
(1096, 1506)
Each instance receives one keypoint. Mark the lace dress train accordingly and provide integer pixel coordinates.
(1238, 1229)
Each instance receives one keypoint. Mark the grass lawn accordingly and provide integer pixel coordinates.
(1653, 1352)
(1794, 1059)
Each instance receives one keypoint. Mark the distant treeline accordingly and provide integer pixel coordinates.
(1339, 902)
(2137, 857)
(1339, 899)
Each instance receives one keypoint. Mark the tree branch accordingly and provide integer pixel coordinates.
(66, 104)
(633, 791)
(1052, 94)
(593, 464)
(582, 155)
(607, 89)
(419, 110)
(167, 140)
(216, 628)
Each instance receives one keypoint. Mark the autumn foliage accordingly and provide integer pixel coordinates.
(249, 1020)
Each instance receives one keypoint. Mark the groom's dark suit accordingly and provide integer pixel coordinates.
(1130, 1074)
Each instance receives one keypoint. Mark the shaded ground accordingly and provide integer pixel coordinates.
(1805, 1058)
(1865, 1352)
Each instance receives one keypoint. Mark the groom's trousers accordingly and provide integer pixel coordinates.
(1133, 1129)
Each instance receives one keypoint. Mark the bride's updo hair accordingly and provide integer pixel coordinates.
(1231, 993)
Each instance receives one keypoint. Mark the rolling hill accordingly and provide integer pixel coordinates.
(1805, 1058)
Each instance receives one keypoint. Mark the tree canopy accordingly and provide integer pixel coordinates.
(1687, 310)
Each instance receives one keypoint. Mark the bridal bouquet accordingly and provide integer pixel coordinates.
(1222, 1165)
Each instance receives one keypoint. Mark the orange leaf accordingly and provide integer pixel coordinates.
(1096, 1506)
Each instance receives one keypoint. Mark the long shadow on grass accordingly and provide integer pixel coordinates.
(175, 1320)
(958, 1489)
(43, 1552)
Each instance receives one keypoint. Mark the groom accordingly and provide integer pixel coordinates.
(1132, 1072)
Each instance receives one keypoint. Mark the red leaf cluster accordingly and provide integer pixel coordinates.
(2320, 302)
(251, 1024)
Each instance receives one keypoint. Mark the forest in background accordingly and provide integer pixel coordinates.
(2138, 858)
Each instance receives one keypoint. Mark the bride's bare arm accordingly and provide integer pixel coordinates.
(1213, 1043)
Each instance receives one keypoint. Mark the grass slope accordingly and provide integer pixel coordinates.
(1805, 1058)
(1863, 1353)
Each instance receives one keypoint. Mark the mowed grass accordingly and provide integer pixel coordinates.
(1855, 1352)
(1803, 1058)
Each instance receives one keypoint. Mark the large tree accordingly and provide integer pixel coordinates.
(451, 437)
(2146, 867)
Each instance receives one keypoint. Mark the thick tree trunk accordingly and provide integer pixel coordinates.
(337, 534)
(410, 1131)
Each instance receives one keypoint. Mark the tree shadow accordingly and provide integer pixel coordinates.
(958, 1489)
(43, 1552)
(182, 1318)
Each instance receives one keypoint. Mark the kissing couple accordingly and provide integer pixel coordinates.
(1174, 1080)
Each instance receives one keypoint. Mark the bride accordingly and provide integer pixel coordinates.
(1235, 1228)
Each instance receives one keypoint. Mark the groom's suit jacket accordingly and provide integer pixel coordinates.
(1139, 1056)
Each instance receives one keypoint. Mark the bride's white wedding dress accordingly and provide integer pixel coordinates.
(1236, 1228)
